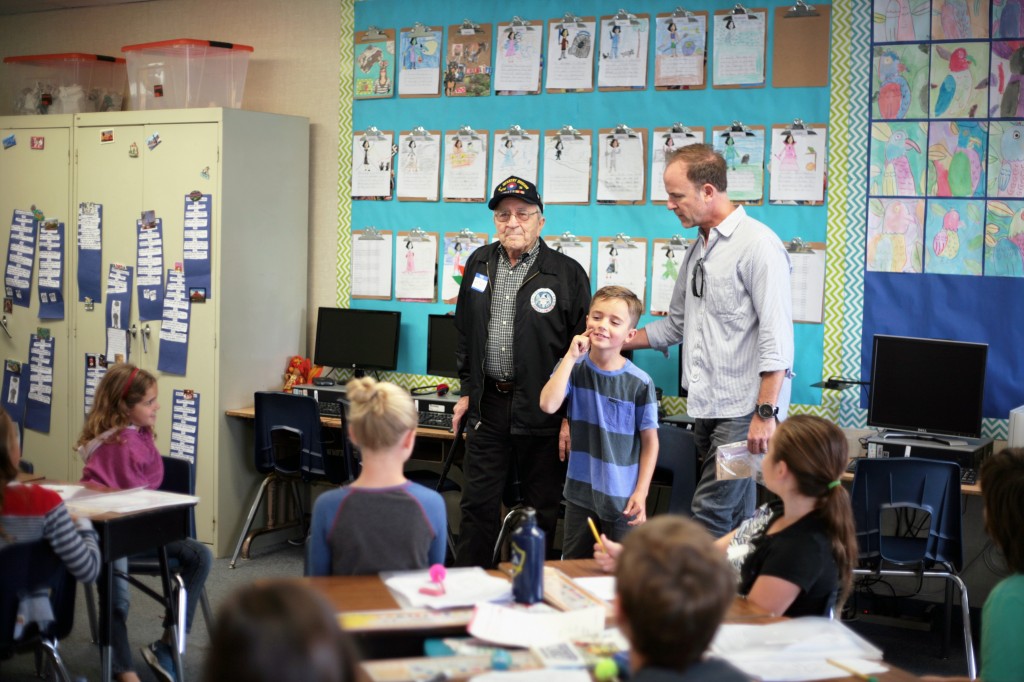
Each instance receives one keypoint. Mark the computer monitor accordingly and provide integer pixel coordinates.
(357, 339)
(927, 385)
(442, 340)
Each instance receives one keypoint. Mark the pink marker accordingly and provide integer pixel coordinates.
(437, 576)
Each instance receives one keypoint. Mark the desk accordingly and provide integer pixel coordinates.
(974, 489)
(124, 534)
(335, 423)
(354, 596)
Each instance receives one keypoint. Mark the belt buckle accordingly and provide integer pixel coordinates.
(504, 386)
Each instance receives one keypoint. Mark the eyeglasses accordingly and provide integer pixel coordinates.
(521, 216)
(697, 281)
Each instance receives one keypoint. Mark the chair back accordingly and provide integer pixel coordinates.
(24, 568)
(287, 437)
(886, 489)
(677, 456)
(180, 477)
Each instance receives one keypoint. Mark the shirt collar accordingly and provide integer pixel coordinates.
(525, 258)
(731, 222)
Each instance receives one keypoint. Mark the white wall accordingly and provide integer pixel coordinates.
(293, 70)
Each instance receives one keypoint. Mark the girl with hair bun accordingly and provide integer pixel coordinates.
(381, 521)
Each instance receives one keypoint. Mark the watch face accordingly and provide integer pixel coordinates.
(766, 410)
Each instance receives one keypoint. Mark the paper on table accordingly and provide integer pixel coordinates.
(67, 492)
(128, 501)
(463, 587)
(795, 649)
(602, 586)
(532, 628)
(542, 675)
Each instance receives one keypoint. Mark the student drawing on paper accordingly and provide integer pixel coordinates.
(451, 77)
(1010, 178)
(563, 42)
(670, 270)
(613, 260)
(383, 84)
(457, 265)
(672, 40)
(459, 158)
(559, 147)
(411, 160)
(508, 154)
(787, 157)
(898, 18)
(12, 392)
(366, 154)
(512, 39)
(730, 152)
(888, 249)
(115, 314)
(413, 54)
(614, 150)
(668, 146)
(410, 257)
(616, 35)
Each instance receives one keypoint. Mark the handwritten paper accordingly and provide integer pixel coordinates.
(40, 383)
(797, 166)
(680, 48)
(620, 174)
(534, 627)
(197, 245)
(623, 61)
(419, 167)
(150, 273)
(518, 58)
(371, 166)
(665, 141)
(457, 250)
(808, 284)
(567, 169)
(415, 267)
(514, 155)
(420, 72)
(119, 304)
(185, 425)
(462, 587)
(571, 47)
(21, 256)
(174, 325)
(90, 243)
(622, 263)
(465, 166)
(51, 271)
(738, 56)
(666, 259)
(95, 368)
(744, 162)
(371, 265)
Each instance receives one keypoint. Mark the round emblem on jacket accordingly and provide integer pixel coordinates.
(543, 300)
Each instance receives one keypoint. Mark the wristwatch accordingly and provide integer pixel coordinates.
(767, 410)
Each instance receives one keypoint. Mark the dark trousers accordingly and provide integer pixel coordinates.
(490, 450)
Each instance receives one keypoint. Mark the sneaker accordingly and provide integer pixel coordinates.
(161, 660)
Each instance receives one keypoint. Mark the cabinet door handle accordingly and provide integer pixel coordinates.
(145, 339)
(3, 323)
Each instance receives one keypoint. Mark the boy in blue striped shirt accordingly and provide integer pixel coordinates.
(613, 420)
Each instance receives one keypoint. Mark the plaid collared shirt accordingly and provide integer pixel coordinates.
(499, 361)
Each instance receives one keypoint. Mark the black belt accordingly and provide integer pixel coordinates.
(499, 386)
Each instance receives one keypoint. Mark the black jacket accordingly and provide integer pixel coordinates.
(541, 338)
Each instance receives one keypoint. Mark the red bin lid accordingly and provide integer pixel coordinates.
(180, 42)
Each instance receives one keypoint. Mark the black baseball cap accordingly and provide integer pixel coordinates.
(518, 188)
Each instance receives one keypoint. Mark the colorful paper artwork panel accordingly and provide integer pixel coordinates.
(959, 19)
(958, 88)
(744, 161)
(898, 159)
(1006, 159)
(899, 88)
(468, 72)
(895, 235)
(1005, 94)
(901, 20)
(956, 158)
(374, 67)
(1007, 19)
(1004, 239)
(954, 237)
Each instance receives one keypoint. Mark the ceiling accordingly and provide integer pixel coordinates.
(11, 7)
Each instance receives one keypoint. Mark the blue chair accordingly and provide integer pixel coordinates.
(891, 498)
(287, 451)
(677, 459)
(26, 568)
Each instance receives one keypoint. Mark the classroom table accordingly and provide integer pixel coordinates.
(123, 534)
(356, 598)
(335, 423)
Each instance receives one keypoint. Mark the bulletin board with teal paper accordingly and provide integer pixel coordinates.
(648, 108)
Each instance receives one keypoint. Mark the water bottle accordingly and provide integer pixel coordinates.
(528, 560)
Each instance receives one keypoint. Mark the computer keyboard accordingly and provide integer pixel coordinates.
(435, 420)
(330, 408)
(968, 476)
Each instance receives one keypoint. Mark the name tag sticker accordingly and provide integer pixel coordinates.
(480, 282)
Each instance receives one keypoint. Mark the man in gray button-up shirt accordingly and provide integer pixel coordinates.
(732, 310)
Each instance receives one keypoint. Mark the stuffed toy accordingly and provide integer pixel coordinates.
(300, 370)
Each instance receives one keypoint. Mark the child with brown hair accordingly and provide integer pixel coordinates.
(119, 449)
(613, 424)
(381, 521)
(673, 588)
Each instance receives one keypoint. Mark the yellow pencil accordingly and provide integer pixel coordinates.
(854, 673)
(593, 529)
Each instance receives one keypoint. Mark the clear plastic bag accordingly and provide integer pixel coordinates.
(733, 461)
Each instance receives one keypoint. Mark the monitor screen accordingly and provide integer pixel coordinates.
(442, 340)
(927, 385)
(357, 339)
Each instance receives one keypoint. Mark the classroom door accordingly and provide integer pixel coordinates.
(35, 170)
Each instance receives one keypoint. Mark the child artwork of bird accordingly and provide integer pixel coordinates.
(955, 20)
(897, 175)
(1011, 100)
(1011, 167)
(889, 246)
(1011, 19)
(1007, 255)
(946, 243)
(965, 166)
(955, 90)
(894, 93)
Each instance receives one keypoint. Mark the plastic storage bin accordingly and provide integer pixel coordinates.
(67, 83)
(185, 73)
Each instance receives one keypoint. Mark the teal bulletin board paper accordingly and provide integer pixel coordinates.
(646, 108)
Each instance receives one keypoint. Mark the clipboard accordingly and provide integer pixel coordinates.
(658, 137)
(468, 69)
(762, 15)
(370, 56)
(679, 246)
(820, 133)
(622, 243)
(526, 25)
(807, 280)
(574, 133)
(404, 245)
(580, 249)
(471, 135)
(680, 15)
(416, 133)
(462, 237)
(371, 243)
(556, 24)
(513, 133)
(603, 136)
(622, 15)
(417, 31)
(800, 48)
(737, 128)
(373, 133)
